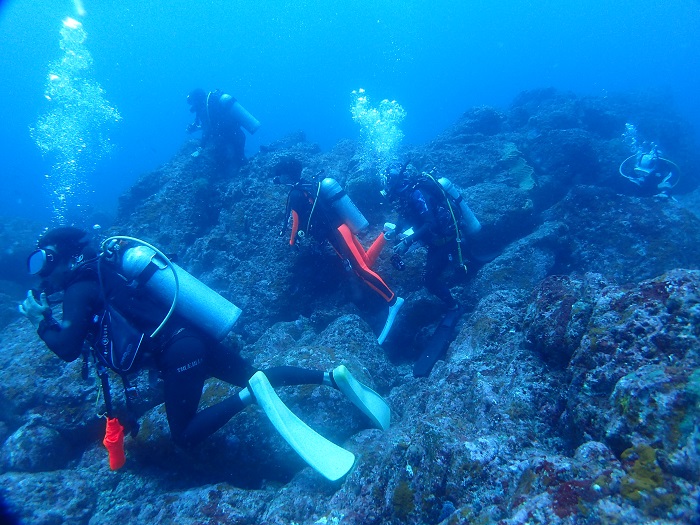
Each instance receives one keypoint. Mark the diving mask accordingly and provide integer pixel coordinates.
(42, 262)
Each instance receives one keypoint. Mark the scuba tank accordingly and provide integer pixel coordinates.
(333, 195)
(241, 114)
(469, 220)
(170, 284)
(248, 121)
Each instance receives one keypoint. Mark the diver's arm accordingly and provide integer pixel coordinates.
(420, 233)
(65, 338)
(195, 126)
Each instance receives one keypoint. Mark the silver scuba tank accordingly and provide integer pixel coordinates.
(196, 302)
(334, 196)
(247, 120)
(471, 223)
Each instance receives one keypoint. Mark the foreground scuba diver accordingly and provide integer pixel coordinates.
(137, 310)
(323, 210)
(220, 117)
(439, 219)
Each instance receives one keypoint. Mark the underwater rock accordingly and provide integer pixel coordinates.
(568, 395)
(36, 381)
(626, 239)
(61, 496)
(632, 368)
(558, 316)
(35, 448)
(522, 264)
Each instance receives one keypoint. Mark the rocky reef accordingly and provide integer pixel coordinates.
(570, 394)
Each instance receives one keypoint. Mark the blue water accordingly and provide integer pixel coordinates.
(294, 65)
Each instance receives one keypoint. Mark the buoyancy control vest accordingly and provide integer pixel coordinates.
(147, 271)
(449, 208)
(452, 215)
(140, 291)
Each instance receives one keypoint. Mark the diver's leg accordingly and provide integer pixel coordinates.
(183, 364)
(344, 244)
(366, 399)
(226, 363)
(293, 375)
(376, 249)
(435, 264)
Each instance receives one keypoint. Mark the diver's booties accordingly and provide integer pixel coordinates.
(362, 396)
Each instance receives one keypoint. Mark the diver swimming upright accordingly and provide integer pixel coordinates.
(136, 310)
(221, 119)
(647, 169)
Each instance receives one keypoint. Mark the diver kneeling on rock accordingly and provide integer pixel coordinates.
(137, 310)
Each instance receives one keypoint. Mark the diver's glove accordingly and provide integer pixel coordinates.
(403, 246)
(35, 311)
(389, 231)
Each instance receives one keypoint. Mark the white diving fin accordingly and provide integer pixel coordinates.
(327, 458)
(363, 397)
(393, 311)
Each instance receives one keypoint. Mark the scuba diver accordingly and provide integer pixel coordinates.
(129, 308)
(220, 117)
(435, 214)
(323, 210)
(649, 171)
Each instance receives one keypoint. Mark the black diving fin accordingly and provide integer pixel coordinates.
(437, 345)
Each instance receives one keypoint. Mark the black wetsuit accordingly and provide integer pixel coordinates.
(220, 128)
(433, 226)
(184, 356)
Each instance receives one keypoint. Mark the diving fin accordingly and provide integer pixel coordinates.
(393, 311)
(437, 346)
(328, 459)
(363, 397)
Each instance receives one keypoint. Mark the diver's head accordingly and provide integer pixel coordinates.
(646, 164)
(287, 171)
(196, 99)
(60, 251)
(398, 180)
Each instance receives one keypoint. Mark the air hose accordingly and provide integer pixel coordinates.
(454, 222)
(109, 250)
(670, 162)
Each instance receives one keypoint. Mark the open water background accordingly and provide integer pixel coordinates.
(295, 64)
